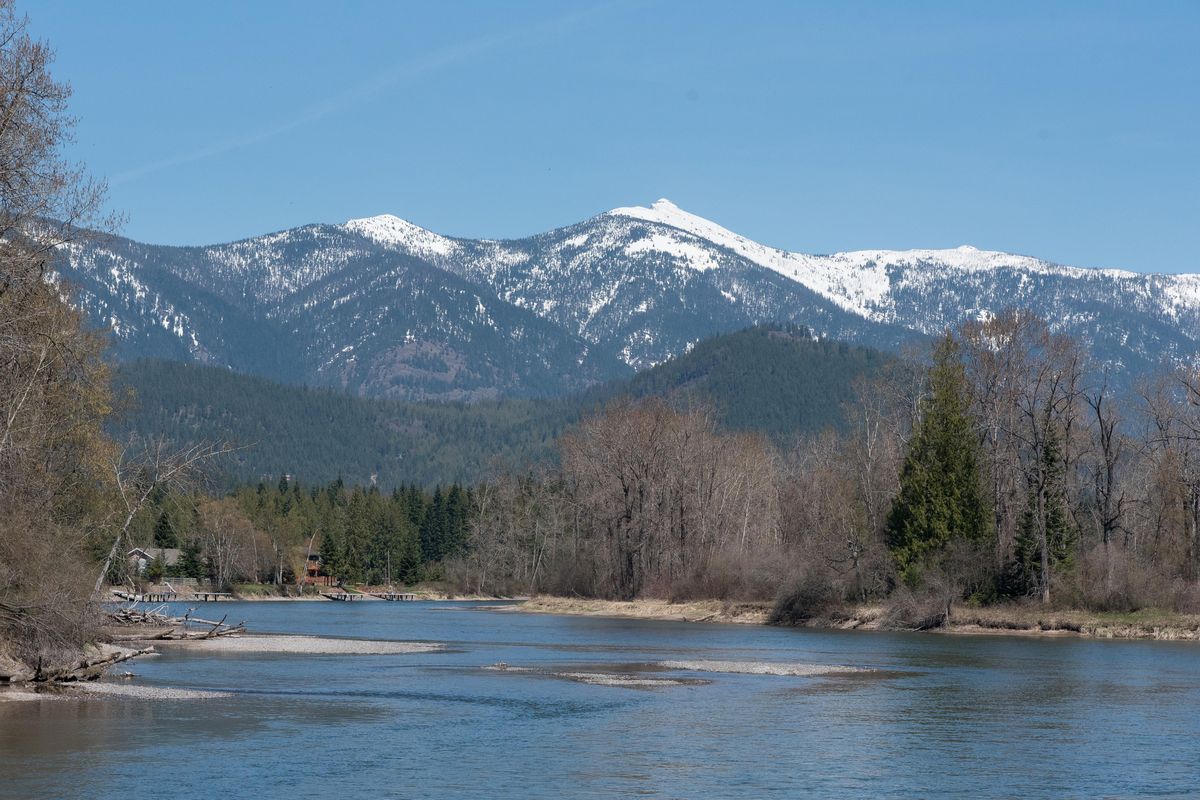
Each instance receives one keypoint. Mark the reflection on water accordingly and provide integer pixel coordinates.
(615, 708)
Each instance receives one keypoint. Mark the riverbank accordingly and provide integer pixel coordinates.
(79, 678)
(1143, 624)
(996, 620)
(90, 663)
(367, 592)
(268, 593)
(694, 611)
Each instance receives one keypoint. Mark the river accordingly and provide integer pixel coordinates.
(586, 708)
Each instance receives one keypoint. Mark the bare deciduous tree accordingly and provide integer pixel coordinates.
(139, 472)
(53, 384)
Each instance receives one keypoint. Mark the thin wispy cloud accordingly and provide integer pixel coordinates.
(408, 70)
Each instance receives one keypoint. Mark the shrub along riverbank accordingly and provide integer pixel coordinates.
(1005, 473)
(1005, 619)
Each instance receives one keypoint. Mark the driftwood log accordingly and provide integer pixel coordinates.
(134, 624)
(91, 666)
(125, 625)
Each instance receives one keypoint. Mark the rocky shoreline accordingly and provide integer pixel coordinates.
(79, 678)
(88, 665)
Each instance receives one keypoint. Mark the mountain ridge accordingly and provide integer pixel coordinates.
(383, 307)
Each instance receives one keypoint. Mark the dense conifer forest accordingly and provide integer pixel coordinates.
(776, 380)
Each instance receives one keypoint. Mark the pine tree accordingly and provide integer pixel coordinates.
(941, 498)
(433, 528)
(409, 567)
(1025, 575)
(333, 556)
(164, 532)
(190, 564)
(415, 502)
(457, 507)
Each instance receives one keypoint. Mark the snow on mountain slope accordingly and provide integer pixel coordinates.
(865, 281)
(393, 308)
(852, 283)
(400, 234)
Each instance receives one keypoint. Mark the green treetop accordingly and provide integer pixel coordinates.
(941, 498)
(164, 532)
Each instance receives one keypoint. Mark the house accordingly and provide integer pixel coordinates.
(312, 572)
(140, 558)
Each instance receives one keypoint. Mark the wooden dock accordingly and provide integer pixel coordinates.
(172, 597)
(344, 597)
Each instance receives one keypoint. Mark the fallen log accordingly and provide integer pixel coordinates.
(135, 625)
(87, 668)
(216, 627)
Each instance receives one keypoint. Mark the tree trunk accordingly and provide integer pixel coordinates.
(1043, 544)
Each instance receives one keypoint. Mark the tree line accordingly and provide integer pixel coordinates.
(774, 379)
(1006, 468)
(1000, 465)
(265, 533)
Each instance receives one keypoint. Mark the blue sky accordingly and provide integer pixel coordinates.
(1069, 131)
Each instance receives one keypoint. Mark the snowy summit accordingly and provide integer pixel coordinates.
(400, 234)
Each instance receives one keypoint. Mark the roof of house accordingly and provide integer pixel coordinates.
(168, 555)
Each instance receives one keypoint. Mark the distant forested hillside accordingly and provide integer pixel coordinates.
(320, 434)
(773, 379)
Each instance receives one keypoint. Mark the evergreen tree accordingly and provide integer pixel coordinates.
(164, 532)
(190, 565)
(360, 524)
(414, 499)
(941, 498)
(456, 511)
(433, 528)
(155, 570)
(1025, 575)
(333, 555)
(408, 567)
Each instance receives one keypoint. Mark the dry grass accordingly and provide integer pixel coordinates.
(1017, 618)
(1002, 619)
(693, 611)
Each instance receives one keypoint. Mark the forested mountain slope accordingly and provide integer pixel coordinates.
(773, 379)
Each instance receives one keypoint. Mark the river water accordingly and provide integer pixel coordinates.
(586, 708)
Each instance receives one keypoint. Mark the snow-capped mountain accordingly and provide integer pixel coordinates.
(382, 306)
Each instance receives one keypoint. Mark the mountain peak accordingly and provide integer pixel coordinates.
(379, 223)
(661, 210)
(664, 212)
(395, 233)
